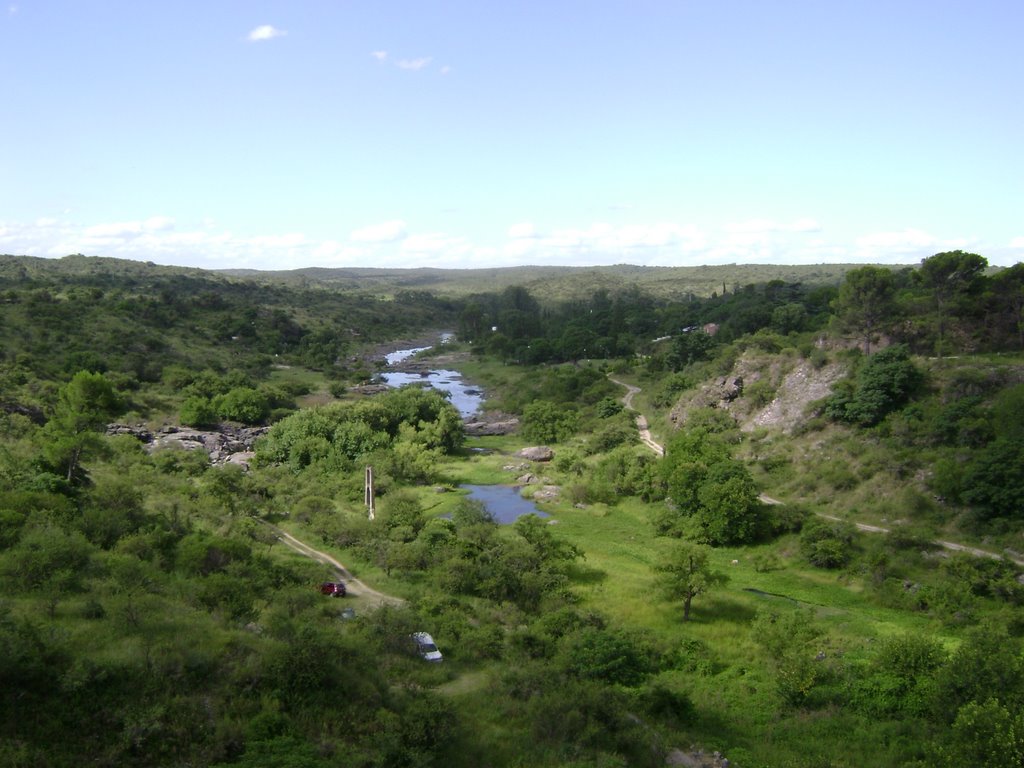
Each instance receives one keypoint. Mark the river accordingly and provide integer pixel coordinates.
(466, 398)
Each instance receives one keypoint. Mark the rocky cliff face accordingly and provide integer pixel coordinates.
(762, 391)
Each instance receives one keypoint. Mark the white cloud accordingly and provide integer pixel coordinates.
(770, 225)
(379, 55)
(158, 223)
(414, 64)
(266, 32)
(434, 244)
(394, 243)
(603, 243)
(805, 225)
(524, 229)
(903, 241)
(129, 228)
(289, 240)
(385, 232)
(445, 70)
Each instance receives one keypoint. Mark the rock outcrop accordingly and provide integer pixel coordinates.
(536, 453)
(493, 423)
(225, 445)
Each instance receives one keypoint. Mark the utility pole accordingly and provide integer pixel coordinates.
(368, 493)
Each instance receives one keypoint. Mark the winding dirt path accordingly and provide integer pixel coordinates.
(354, 585)
(951, 545)
(641, 421)
(645, 438)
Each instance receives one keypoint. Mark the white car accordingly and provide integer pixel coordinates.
(426, 646)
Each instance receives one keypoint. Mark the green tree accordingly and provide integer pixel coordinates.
(986, 733)
(789, 637)
(950, 276)
(686, 573)
(545, 422)
(84, 407)
(827, 544)
(789, 318)
(242, 404)
(689, 455)
(197, 411)
(883, 384)
(900, 677)
(552, 550)
(865, 302)
(595, 653)
(988, 664)
(689, 347)
(730, 510)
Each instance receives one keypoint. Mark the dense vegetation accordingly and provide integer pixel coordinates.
(152, 616)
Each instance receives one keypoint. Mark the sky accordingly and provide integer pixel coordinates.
(462, 134)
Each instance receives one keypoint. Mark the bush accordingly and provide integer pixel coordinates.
(884, 383)
(760, 393)
(827, 544)
(243, 404)
(545, 422)
(602, 654)
(197, 411)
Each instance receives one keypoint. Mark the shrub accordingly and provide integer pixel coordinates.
(827, 544)
(197, 411)
(243, 404)
(884, 383)
(545, 422)
(760, 393)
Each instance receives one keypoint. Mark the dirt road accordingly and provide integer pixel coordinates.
(641, 420)
(950, 545)
(354, 585)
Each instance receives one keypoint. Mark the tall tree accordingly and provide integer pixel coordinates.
(84, 407)
(1007, 304)
(950, 276)
(865, 302)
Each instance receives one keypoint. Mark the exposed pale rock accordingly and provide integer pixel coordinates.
(226, 445)
(536, 453)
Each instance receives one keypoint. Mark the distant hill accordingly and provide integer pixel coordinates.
(547, 284)
(557, 283)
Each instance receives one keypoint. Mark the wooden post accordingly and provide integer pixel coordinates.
(368, 493)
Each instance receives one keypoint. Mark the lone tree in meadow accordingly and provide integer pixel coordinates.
(684, 573)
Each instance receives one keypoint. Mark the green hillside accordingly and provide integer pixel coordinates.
(780, 587)
(558, 283)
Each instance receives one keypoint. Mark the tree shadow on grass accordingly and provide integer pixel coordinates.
(583, 575)
(712, 609)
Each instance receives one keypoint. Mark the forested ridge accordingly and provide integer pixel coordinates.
(150, 616)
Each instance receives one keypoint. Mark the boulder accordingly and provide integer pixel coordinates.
(536, 453)
(546, 493)
(481, 425)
